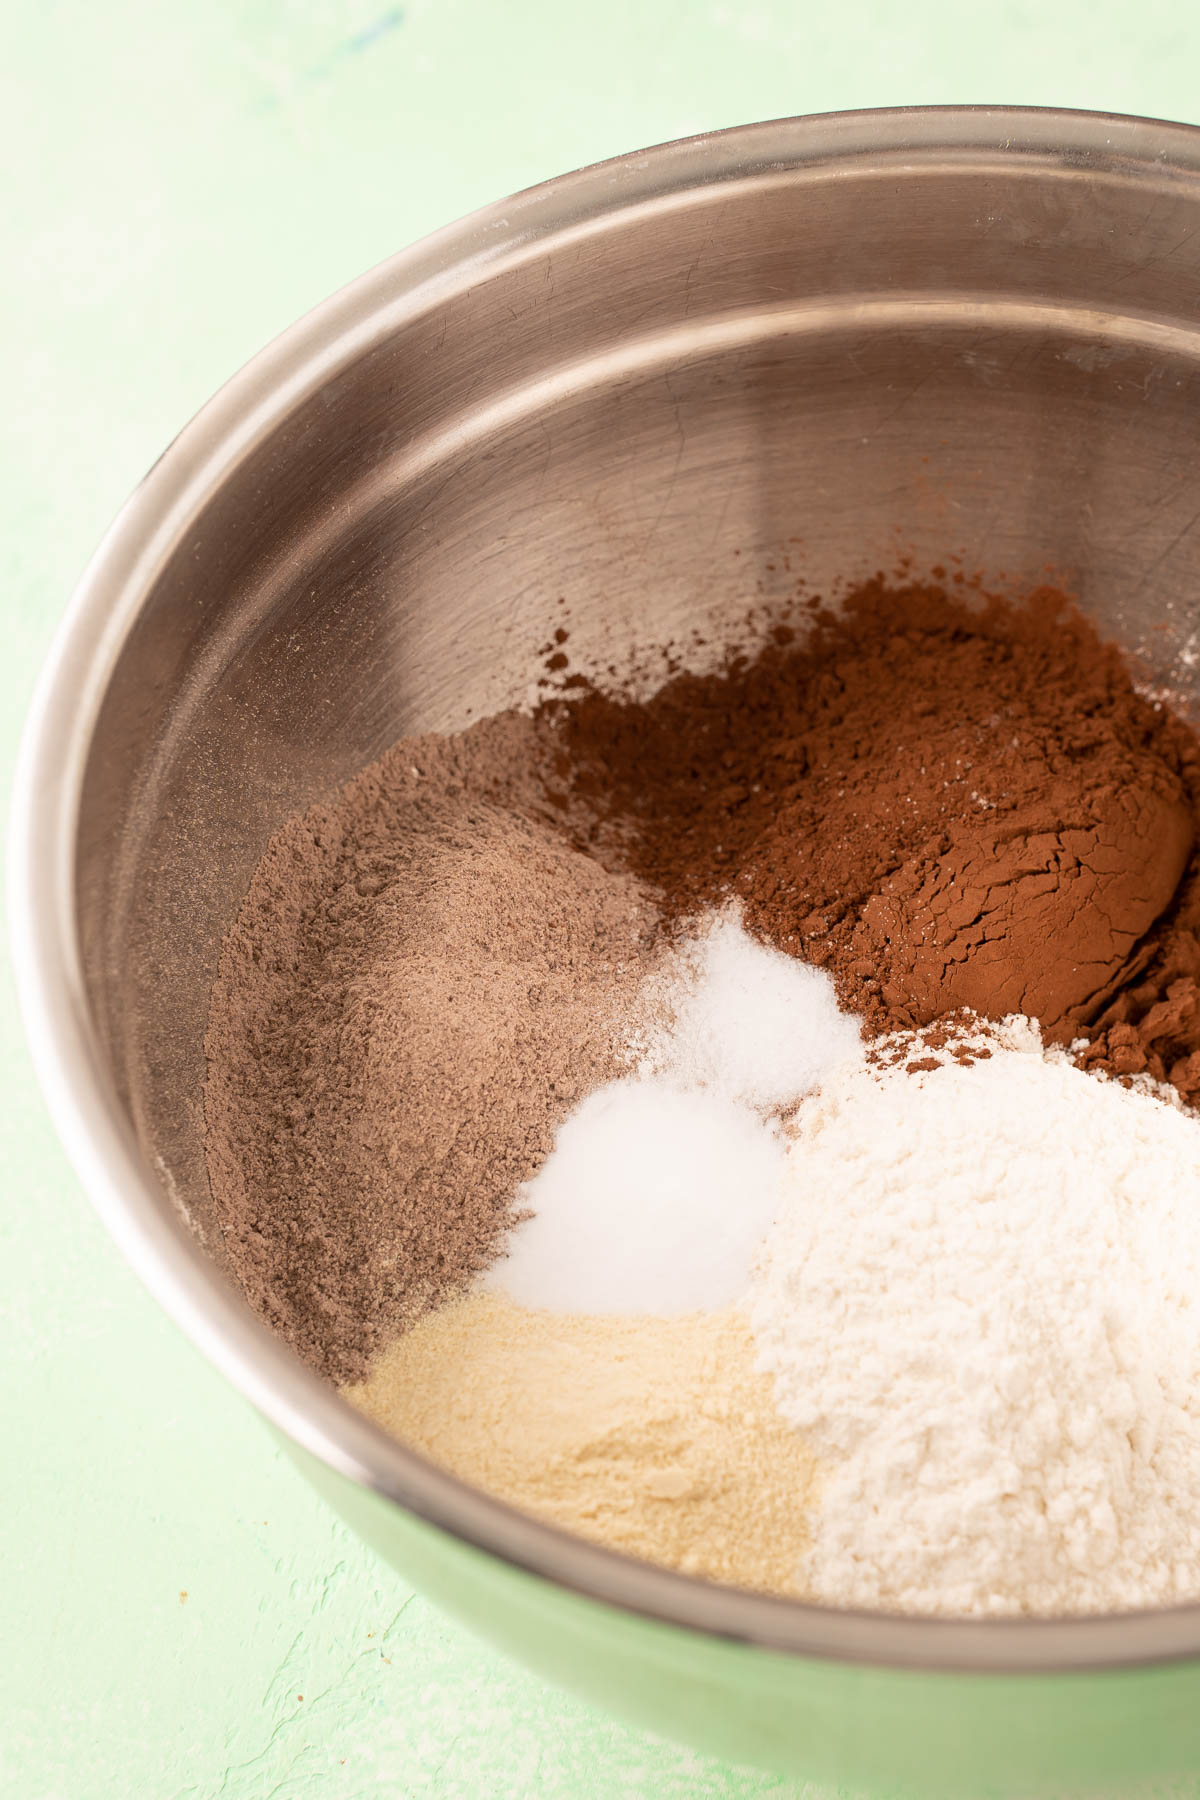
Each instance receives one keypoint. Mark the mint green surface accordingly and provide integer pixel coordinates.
(877, 1730)
(180, 182)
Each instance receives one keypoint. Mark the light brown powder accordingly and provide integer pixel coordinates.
(657, 1437)
(424, 978)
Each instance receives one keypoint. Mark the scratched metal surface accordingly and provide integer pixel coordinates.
(180, 1616)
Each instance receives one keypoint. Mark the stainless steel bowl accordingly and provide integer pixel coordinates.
(660, 388)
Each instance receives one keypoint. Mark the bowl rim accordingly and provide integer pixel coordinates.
(79, 1091)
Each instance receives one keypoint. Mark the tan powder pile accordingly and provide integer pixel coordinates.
(424, 979)
(653, 1436)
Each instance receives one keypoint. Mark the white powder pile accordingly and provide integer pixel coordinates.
(980, 1301)
(652, 1201)
(748, 1022)
(660, 1186)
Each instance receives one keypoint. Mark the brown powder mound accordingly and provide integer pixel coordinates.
(1085, 877)
(946, 806)
(1153, 1028)
(423, 980)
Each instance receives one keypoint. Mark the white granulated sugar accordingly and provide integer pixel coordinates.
(980, 1300)
(748, 1021)
(652, 1201)
(660, 1186)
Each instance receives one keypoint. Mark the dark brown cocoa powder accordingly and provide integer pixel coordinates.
(423, 980)
(949, 806)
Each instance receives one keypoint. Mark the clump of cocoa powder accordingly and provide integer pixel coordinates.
(949, 806)
(423, 980)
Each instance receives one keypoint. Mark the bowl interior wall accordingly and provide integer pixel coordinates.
(646, 424)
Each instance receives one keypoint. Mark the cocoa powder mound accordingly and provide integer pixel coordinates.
(424, 978)
(947, 805)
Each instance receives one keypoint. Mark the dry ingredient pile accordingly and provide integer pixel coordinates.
(752, 1127)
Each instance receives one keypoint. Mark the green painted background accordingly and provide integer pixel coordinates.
(180, 181)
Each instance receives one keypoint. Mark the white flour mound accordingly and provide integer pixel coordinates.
(980, 1300)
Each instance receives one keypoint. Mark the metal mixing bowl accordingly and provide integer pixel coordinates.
(647, 387)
